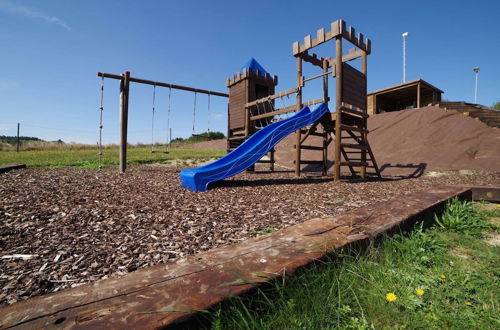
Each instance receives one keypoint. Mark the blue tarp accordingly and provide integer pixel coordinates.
(254, 65)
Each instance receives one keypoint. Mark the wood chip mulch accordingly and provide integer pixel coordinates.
(65, 227)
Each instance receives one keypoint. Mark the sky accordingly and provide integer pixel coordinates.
(51, 51)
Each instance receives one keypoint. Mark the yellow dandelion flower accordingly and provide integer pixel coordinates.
(443, 276)
(391, 297)
(420, 292)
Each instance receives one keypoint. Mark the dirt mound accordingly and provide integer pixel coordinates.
(440, 139)
(404, 142)
(429, 138)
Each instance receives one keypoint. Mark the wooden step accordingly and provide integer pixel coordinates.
(353, 128)
(266, 161)
(354, 146)
(309, 162)
(310, 147)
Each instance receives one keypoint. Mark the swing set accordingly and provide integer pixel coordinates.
(125, 80)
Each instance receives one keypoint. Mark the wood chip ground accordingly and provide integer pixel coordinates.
(65, 227)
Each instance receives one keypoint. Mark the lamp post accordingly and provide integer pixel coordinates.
(476, 70)
(404, 35)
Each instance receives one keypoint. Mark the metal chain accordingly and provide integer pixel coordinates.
(194, 111)
(208, 129)
(168, 119)
(101, 109)
(153, 120)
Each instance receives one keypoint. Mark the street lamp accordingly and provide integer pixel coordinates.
(476, 70)
(404, 35)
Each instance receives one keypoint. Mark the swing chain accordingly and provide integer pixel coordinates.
(101, 110)
(169, 137)
(208, 129)
(153, 120)
(194, 112)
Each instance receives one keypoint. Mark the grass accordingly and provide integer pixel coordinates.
(446, 276)
(88, 157)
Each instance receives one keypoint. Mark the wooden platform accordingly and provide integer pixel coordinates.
(202, 280)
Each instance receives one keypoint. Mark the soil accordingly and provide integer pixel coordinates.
(65, 227)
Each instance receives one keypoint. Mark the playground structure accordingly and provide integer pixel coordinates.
(252, 108)
(248, 112)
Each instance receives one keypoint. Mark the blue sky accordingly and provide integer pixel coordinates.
(51, 51)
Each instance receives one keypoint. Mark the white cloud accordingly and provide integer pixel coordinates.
(7, 6)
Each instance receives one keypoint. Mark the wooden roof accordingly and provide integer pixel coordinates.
(405, 85)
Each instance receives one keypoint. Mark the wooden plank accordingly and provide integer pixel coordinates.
(307, 42)
(271, 97)
(275, 113)
(320, 35)
(306, 147)
(8, 168)
(309, 162)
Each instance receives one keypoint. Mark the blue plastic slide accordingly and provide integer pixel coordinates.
(250, 151)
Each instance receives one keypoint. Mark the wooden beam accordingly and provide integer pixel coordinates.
(418, 95)
(271, 97)
(299, 106)
(275, 113)
(338, 107)
(162, 84)
(364, 70)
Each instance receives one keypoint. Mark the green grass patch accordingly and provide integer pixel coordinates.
(431, 278)
(88, 158)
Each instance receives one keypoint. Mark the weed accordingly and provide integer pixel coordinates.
(462, 217)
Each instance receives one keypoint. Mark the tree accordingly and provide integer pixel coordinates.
(496, 105)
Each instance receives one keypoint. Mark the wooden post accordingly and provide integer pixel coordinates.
(17, 141)
(124, 93)
(338, 106)
(298, 136)
(365, 124)
(418, 95)
(325, 135)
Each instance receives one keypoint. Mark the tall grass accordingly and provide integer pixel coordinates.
(432, 286)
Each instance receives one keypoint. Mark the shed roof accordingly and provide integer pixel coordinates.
(404, 85)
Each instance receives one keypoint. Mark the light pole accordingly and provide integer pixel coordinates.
(404, 35)
(476, 70)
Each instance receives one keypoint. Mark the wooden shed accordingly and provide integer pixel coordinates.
(411, 94)
(250, 84)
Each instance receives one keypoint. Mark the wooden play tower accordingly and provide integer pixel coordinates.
(346, 127)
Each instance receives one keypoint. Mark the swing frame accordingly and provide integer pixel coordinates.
(125, 80)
